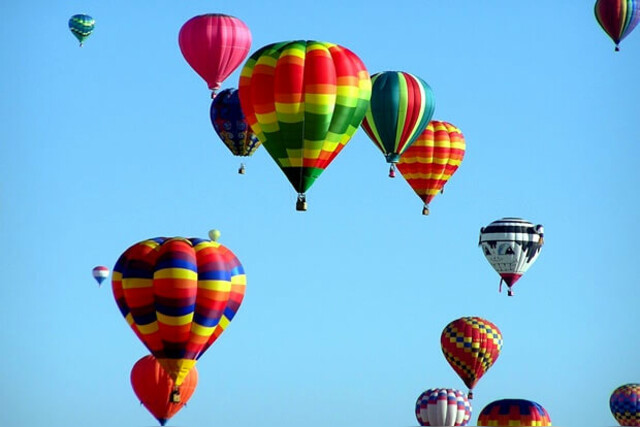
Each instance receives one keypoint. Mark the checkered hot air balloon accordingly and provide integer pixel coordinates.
(471, 345)
(514, 413)
(178, 295)
(432, 159)
(214, 45)
(443, 407)
(304, 100)
(232, 127)
(625, 404)
(155, 389)
(617, 17)
(400, 109)
(511, 245)
(81, 26)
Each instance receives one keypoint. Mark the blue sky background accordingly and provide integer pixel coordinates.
(110, 144)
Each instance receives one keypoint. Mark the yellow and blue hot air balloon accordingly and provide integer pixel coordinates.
(81, 26)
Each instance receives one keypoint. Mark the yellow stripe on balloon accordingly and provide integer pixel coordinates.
(177, 368)
(175, 273)
(215, 285)
(203, 331)
(148, 329)
(134, 283)
(174, 320)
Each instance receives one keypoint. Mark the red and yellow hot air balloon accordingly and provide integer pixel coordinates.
(514, 413)
(155, 388)
(471, 345)
(214, 45)
(432, 159)
(178, 295)
(304, 100)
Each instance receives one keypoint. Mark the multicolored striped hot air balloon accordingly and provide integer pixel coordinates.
(156, 391)
(625, 404)
(178, 295)
(304, 100)
(514, 413)
(81, 26)
(400, 109)
(511, 245)
(471, 345)
(232, 127)
(214, 45)
(100, 273)
(443, 407)
(432, 159)
(617, 17)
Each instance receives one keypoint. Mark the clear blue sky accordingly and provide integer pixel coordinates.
(110, 144)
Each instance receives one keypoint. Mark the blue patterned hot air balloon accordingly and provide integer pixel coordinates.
(81, 26)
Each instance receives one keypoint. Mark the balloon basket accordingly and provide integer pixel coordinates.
(301, 205)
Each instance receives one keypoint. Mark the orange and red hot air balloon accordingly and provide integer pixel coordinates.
(178, 295)
(471, 345)
(432, 159)
(214, 45)
(155, 388)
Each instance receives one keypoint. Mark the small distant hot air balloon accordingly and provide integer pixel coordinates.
(304, 99)
(100, 273)
(625, 404)
(471, 345)
(230, 124)
(432, 159)
(214, 235)
(617, 17)
(443, 407)
(400, 109)
(178, 295)
(514, 412)
(511, 245)
(156, 391)
(214, 45)
(81, 26)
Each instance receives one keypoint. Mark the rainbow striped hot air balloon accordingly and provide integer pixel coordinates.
(304, 100)
(617, 17)
(471, 345)
(432, 159)
(625, 404)
(400, 109)
(178, 295)
(81, 26)
(514, 413)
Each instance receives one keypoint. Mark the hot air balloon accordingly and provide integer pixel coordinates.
(400, 109)
(514, 412)
(178, 295)
(625, 404)
(155, 388)
(511, 245)
(617, 17)
(214, 235)
(214, 45)
(304, 100)
(100, 273)
(432, 159)
(81, 26)
(231, 125)
(471, 345)
(443, 407)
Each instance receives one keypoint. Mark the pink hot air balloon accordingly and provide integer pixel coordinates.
(214, 45)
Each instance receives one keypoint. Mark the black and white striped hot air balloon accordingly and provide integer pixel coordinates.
(511, 245)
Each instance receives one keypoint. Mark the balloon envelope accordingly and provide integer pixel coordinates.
(230, 124)
(511, 245)
(617, 17)
(154, 388)
(214, 45)
(100, 273)
(432, 159)
(514, 412)
(400, 109)
(471, 345)
(81, 26)
(304, 100)
(625, 404)
(178, 295)
(443, 407)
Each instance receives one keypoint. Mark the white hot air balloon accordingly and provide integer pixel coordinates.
(443, 407)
